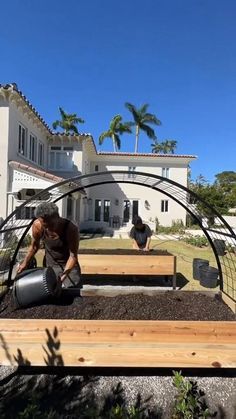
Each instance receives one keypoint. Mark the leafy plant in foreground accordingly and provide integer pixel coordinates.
(189, 400)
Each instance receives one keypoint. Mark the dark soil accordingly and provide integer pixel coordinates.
(169, 305)
(152, 252)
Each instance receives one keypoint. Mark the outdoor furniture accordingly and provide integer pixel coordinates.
(116, 221)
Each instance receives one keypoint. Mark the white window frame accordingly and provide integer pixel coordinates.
(131, 169)
(22, 140)
(164, 205)
(165, 172)
(56, 156)
(33, 148)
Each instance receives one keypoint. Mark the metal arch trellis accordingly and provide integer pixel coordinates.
(14, 229)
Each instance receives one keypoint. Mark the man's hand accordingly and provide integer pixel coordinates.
(21, 267)
(57, 291)
(146, 249)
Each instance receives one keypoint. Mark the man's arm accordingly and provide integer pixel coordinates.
(146, 248)
(37, 231)
(132, 236)
(149, 235)
(73, 243)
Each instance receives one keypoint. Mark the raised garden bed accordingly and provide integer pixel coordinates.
(128, 262)
(169, 305)
(169, 329)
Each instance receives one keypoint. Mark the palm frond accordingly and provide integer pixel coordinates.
(151, 119)
(74, 129)
(143, 109)
(105, 134)
(117, 141)
(115, 121)
(149, 131)
(56, 124)
(63, 113)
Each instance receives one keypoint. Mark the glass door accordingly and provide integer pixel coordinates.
(126, 211)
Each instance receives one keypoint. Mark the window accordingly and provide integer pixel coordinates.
(69, 211)
(26, 213)
(165, 172)
(33, 148)
(40, 154)
(22, 141)
(131, 169)
(61, 158)
(164, 205)
(96, 167)
(97, 215)
(106, 210)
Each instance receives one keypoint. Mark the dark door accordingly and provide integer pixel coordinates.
(135, 209)
(126, 211)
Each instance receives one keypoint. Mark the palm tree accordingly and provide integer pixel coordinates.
(115, 130)
(165, 147)
(68, 122)
(142, 119)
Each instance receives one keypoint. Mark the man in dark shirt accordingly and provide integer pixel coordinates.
(61, 240)
(141, 234)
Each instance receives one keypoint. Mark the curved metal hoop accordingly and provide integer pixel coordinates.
(14, 228)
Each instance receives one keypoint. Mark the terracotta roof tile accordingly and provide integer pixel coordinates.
(35, 171)
(102, 153)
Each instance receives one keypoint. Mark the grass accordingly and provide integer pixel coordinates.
(185, 254)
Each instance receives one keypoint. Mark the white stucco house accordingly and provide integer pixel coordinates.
(33, 157)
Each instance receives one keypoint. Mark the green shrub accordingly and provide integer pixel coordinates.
(198, 241)
(189, 400)
(177, 227)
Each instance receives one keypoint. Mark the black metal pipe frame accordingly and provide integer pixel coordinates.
(161, 179)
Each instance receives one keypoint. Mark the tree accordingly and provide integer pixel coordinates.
(68, 122)
(117, 128)
(226, 182)
(142, 119)
(165, 147)
(211, 194)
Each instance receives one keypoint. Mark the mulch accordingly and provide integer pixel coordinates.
(169, 305)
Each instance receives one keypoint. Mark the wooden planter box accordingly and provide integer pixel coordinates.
(132, 264)
(105, 343)
(115, 343)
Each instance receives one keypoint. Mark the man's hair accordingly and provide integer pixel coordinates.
(46, 209)
(137, 220)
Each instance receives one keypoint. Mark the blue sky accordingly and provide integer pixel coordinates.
(90, 57)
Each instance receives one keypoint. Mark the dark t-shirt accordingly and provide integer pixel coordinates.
(141, 236)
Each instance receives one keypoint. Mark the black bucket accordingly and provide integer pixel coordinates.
(196, 265)
(208, 276)
(219, 246)
(34, 286)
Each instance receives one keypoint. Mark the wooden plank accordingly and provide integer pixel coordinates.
(229, 301)
(118, 343)
(127, 264)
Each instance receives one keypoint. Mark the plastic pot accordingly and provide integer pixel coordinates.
(208, 276)
(196, 265)
(33, 286)
(219, 246)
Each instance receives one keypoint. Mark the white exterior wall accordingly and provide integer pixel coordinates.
(149, 201)
(16, 117)
(4, 130)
